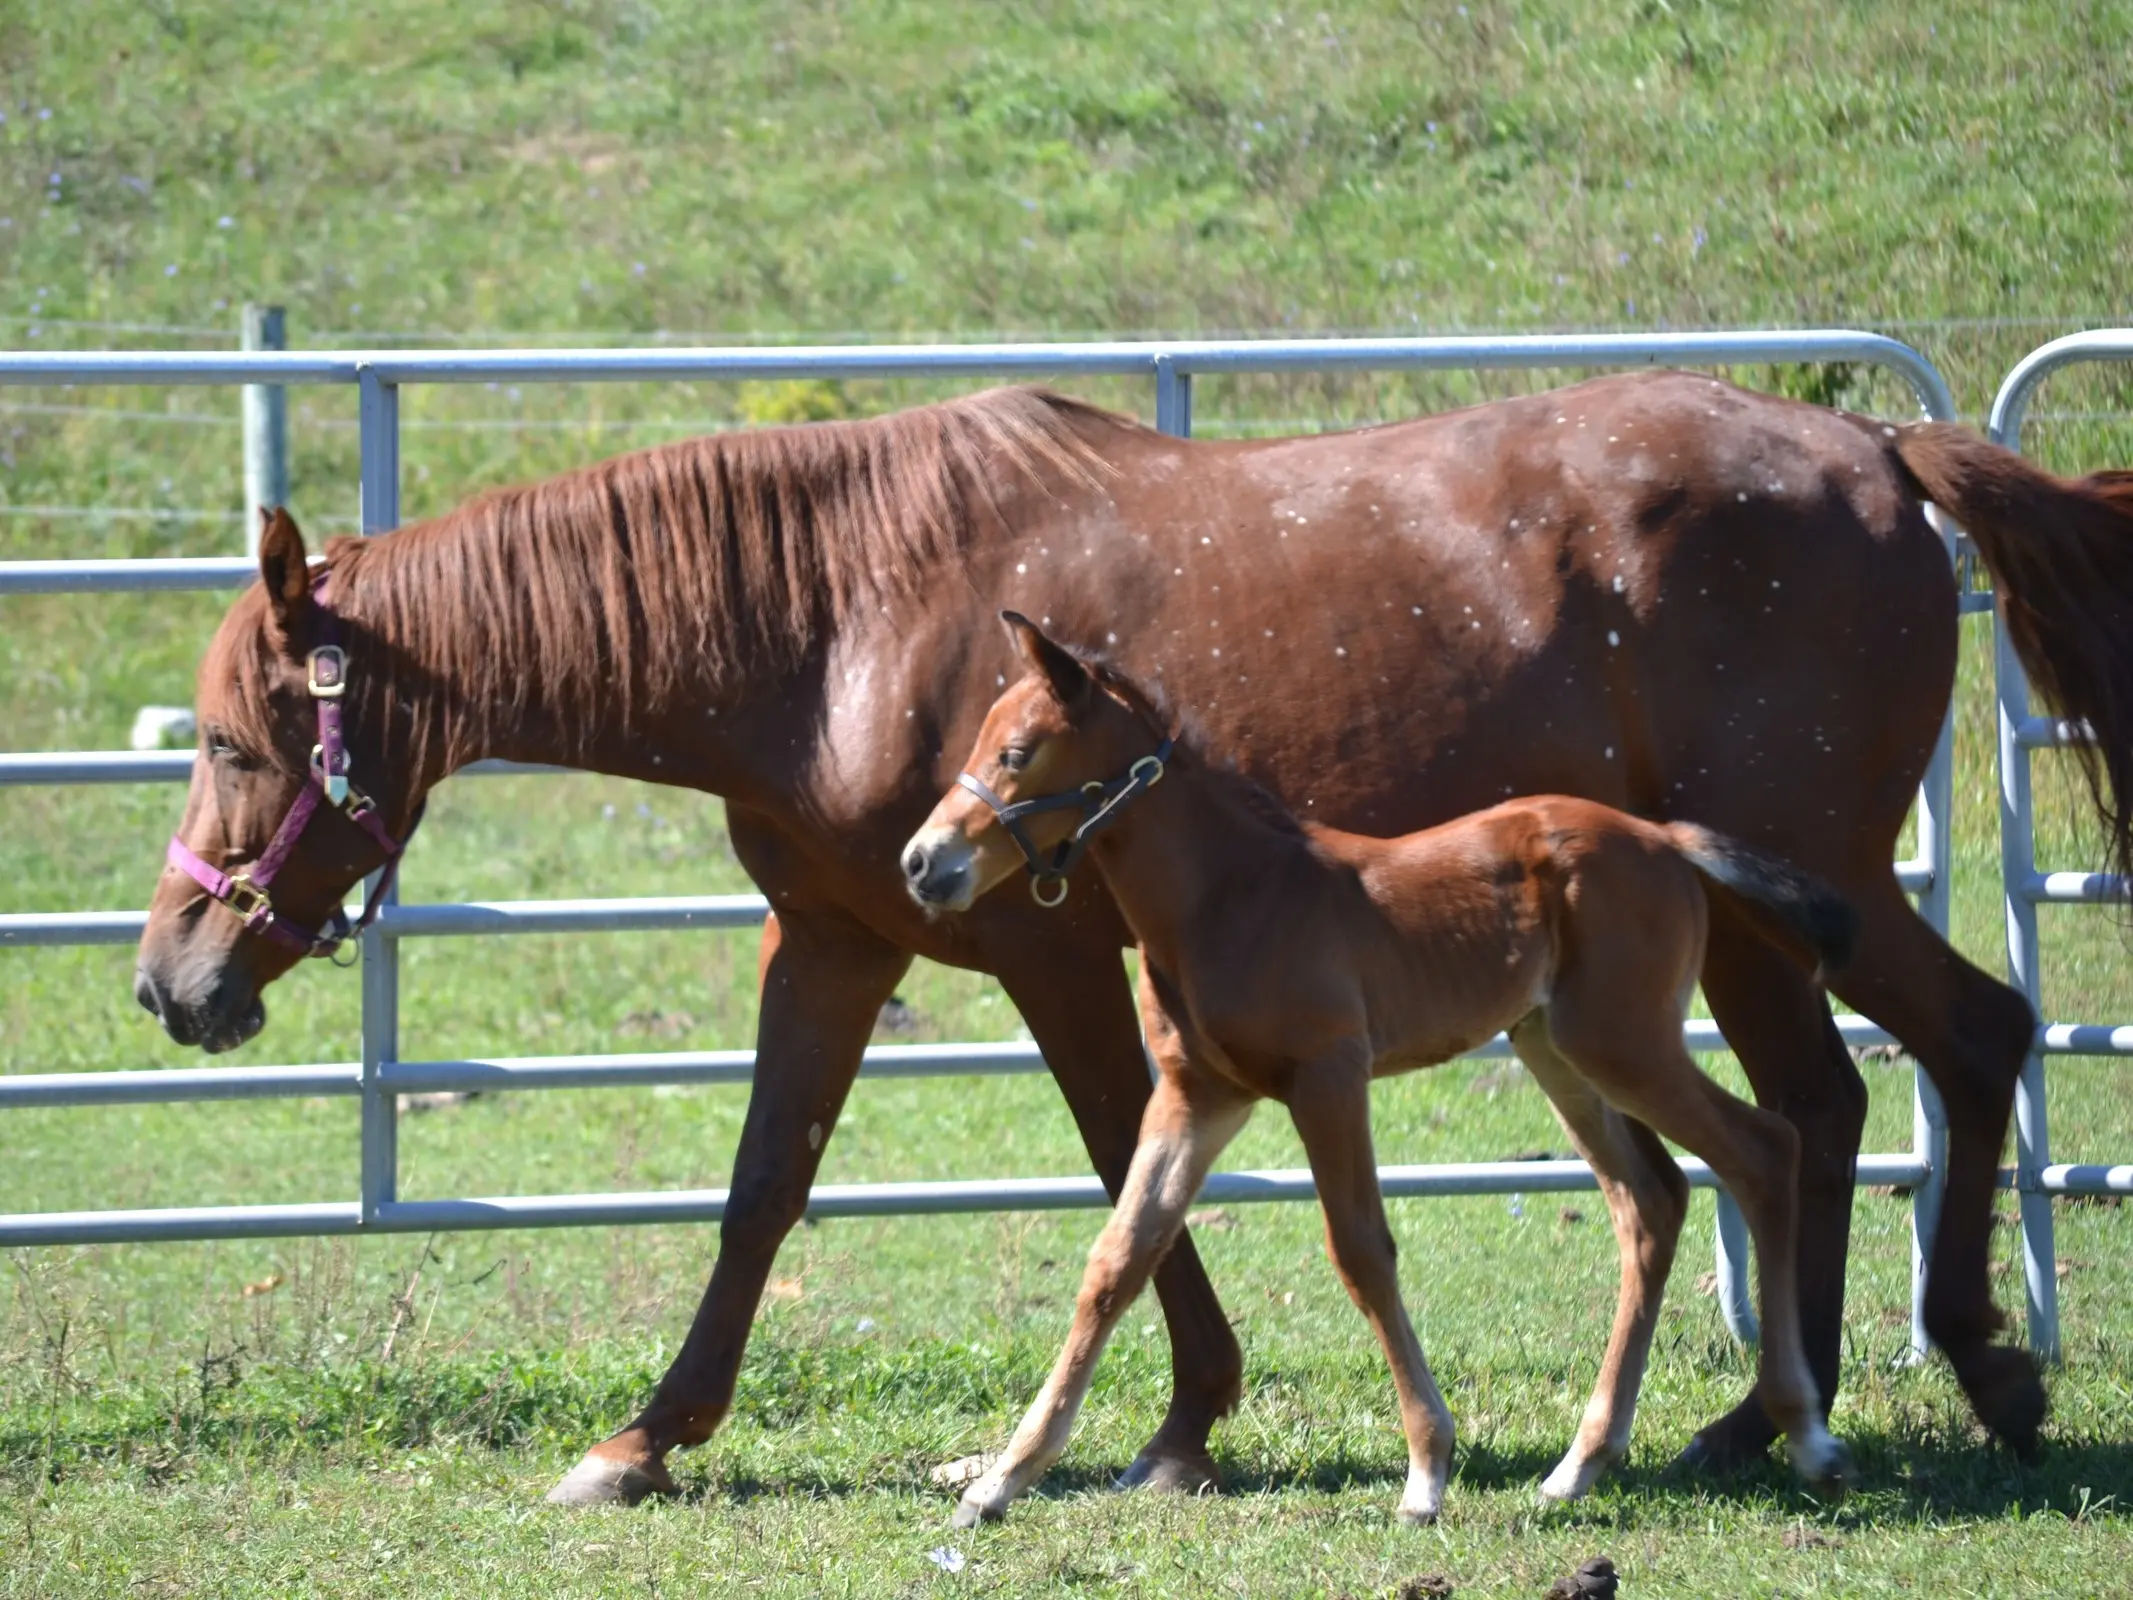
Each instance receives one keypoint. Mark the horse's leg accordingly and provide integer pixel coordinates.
(824, 980)
(1779, 1026)
(1647, 1197)
(1330, 1104)
(1180, 1138)
(1083, 1019)
(1971, 1033)
(1632, 1054)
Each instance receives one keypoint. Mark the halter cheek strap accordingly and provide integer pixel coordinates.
(245, 892)
(1099, 804)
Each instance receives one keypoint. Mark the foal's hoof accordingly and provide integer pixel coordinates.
(2008, 1396)
(597, 1481)
(1417, 1516)
(957, 1475)
(1171, 1472)
(969, 1512)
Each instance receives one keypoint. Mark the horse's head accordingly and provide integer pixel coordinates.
(271, 842)
(1061, 751)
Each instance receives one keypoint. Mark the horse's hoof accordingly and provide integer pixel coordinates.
(2008, 1396)
(957, 1475)
(1168, 1472)
(597, 1481)
(1418, 1516)
(1732, 1442)
(969, 1513)
(1825, 1468)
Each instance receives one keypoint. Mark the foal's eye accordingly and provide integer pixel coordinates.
(1014, 758)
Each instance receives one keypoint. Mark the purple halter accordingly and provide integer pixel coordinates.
(245, 891)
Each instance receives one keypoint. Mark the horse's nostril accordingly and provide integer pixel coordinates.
(144, 991)
(915, 864)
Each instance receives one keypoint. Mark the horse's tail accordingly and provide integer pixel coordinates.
(1801, 901)
(2061, 554)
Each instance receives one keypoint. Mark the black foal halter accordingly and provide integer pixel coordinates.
(1099, 801)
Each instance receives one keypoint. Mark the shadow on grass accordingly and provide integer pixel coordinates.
(1898, 1480)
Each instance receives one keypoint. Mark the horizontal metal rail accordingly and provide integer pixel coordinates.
(826, 1201)
(445, 919)
(629, 1070)
(148, 574)
(71, 767)
(2074, 888)
(1142, 358)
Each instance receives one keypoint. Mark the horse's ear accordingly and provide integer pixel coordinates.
(283, 566)
(1070, 680)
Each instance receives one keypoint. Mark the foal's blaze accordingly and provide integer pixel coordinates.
(1296, 963)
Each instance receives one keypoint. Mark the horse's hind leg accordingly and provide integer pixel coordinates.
(1971, 1034)
(1647, 1197)
(1633, 1055)
(1181, 1135)
(1331, 1108)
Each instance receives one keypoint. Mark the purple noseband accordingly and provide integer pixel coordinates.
(245, 891)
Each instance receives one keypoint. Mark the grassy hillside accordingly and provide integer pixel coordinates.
(641, 170)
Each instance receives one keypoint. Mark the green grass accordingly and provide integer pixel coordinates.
(628, 170)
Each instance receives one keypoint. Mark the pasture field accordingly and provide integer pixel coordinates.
(381, 1417)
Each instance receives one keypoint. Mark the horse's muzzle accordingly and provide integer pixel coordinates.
(227, 1018)
(938, 870)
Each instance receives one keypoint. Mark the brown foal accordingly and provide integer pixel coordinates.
(1292, 962)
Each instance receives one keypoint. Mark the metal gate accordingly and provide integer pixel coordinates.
(2036, 1178)
(381, 1074)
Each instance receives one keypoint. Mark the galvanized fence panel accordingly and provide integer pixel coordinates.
(380, 1075)
(2036, 1177)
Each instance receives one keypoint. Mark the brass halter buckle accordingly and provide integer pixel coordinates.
(245, 900)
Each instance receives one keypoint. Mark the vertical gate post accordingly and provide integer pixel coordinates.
(266, 425)
(1735, 1301)
(1929, 1119)
(1173, 398)
(379, 416)
(2018, 865)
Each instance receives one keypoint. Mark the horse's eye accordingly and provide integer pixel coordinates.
(1014, 758)
(220, 749)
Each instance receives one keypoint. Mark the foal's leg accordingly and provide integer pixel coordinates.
(1779, 1027)
(1330, 1105)
(1082, 1017)
(1632, 1054)
(1647, 1197)
(1181, 1135)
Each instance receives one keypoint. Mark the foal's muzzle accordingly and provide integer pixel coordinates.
(939, 871)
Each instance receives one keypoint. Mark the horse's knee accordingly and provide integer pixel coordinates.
(759, 1216)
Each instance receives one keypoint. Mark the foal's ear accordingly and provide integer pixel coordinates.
(282, 564)
(1070, 680)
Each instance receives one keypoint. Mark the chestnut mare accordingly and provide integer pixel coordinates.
(1657, 591)
(1298, 963)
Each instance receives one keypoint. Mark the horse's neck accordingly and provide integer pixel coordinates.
(1193, 844)
(699, 731)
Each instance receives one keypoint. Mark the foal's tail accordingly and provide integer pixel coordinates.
(2061, 554)
(1800, 900)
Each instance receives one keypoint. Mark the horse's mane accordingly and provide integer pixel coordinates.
(603, 594)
